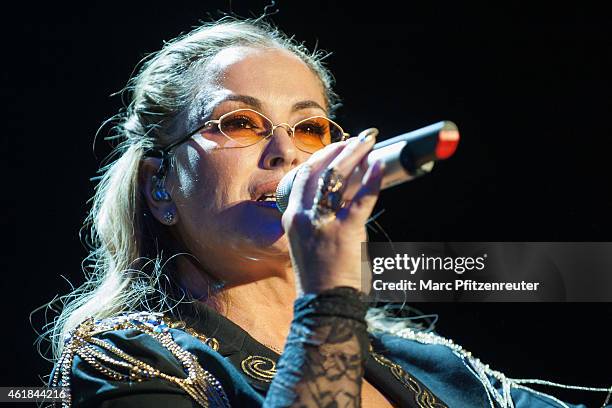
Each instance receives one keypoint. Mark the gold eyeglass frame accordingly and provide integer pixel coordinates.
(290, 129)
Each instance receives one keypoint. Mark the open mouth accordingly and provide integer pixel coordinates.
(264, 193)
(271, 197)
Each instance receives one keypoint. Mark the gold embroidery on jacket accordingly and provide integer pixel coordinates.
(116, 364)
(259, 368)
(422, 396)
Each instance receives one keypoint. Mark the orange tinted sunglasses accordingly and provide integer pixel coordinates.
(246, 127)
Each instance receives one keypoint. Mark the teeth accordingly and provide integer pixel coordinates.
(268, 197)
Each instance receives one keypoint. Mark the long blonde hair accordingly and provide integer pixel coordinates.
(128, 266)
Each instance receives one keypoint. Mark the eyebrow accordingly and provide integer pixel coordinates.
(306, 105)
(256, 103)
(248, 100)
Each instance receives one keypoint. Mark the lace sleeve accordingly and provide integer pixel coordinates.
(325, 352)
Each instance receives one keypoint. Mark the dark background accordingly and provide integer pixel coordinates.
(528, 87)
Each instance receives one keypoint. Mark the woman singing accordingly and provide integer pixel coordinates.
(201, 294)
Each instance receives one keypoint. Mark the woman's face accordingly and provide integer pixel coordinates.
(219, 218)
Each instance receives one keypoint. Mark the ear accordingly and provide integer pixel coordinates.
(164, 211)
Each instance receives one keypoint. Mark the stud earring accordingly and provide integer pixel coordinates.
(217, 286)
(169, 217)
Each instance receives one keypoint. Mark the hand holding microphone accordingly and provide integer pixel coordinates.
(332, 199)
(405, 157)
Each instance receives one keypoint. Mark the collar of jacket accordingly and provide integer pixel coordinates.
(256, 361)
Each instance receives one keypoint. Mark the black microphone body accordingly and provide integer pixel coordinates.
(405, 157)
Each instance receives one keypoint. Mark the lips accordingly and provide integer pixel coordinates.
(265, 192)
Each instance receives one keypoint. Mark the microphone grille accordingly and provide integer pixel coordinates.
(284, 189)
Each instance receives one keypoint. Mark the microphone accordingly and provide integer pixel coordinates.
(405, 157)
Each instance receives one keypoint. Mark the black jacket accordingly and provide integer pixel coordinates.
(143, 359)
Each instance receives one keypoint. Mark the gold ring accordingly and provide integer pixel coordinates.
(329, 197)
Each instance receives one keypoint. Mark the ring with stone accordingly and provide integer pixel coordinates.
(329, 197)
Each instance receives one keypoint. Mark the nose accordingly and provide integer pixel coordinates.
(280, 151)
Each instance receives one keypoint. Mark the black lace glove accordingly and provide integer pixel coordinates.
(325, 352)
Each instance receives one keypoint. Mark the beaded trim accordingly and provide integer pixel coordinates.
(483, 372)
(117, 365)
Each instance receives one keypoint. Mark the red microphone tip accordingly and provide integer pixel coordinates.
(448, 140)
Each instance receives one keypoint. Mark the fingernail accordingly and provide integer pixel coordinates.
(367, 135)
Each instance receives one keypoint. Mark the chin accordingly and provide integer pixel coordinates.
(271, 246)
(259, 223)
(252, 229)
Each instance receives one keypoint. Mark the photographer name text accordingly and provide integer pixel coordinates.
(458, 284)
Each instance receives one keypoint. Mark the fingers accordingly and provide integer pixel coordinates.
(351, 163)
(365, 199)
(343, 156)
(354, 152)
(322, 158)
(302, 190)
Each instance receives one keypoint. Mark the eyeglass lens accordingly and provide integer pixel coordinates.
(246, 127)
